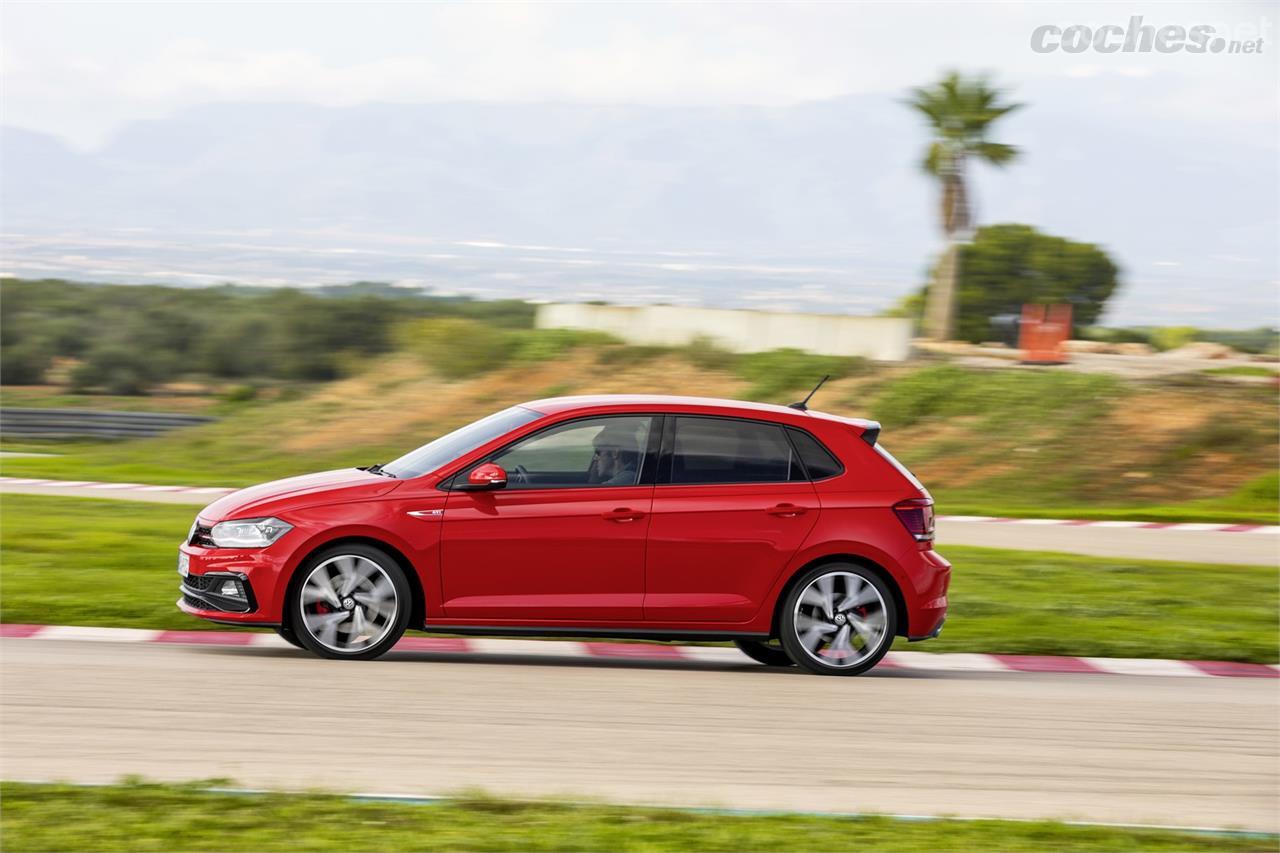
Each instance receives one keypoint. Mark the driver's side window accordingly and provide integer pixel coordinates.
(596, 452)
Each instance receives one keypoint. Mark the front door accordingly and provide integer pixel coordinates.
(565, 539)
(729, 511)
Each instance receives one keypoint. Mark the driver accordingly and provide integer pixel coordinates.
(617, 458)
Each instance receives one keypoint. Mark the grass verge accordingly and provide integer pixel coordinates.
(137, 816)
(79, 561)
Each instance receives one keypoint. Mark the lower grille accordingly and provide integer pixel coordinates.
(205, 593)
(200, 583)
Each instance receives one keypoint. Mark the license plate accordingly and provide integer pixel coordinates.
(184, 564)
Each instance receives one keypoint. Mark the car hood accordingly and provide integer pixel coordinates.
(344, 484)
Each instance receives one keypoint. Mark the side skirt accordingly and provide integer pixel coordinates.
(619, 633)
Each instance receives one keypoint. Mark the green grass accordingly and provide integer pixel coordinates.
(78, 561)
(1252, 503)
(137, 816)
(1243, 370)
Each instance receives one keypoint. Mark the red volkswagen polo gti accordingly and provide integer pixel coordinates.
(790, 532)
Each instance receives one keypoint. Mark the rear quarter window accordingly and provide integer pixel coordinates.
(819, 462)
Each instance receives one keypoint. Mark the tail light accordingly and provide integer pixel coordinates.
(917, 516)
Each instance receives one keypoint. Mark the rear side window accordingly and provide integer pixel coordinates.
(724, 450)
(818, 461)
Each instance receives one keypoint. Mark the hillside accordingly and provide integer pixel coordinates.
(985, 441)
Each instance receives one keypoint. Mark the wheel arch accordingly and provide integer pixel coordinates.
(899, 600)
(417, 608)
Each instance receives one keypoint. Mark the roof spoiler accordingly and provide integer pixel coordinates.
(870, 430)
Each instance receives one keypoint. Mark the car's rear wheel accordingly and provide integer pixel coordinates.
(351, 602)
(838, 619)
(770, 653)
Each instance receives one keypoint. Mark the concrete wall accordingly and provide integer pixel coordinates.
(879, 338)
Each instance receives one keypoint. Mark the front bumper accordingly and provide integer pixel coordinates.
(258, 572)
(209, 592)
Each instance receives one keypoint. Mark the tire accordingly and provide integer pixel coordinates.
(289, 636)
(358, 580)
(838, 619)
(769, 654)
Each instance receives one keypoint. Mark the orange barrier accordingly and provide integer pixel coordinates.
(1043, 331)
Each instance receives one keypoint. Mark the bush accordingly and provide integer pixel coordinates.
(457, 348)
(704, 353)
(115, 369)
(1009, 397)
(240, 394)
(224, 331)
(785, 371)
(1172, 337)
(23, 364)
(546, 344)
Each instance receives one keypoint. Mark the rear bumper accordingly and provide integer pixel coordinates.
(931, 579)
(929, 636)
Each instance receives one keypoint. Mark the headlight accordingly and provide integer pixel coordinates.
(248, 532)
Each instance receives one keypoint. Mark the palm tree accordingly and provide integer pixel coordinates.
(960, 112)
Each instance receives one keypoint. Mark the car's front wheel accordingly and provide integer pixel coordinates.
(838, 619)
(351, 602)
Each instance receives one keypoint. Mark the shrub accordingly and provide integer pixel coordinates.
(457, 348)
(1011, 396)
(546, 344)
(785, 371)
(240, 393)
(115, 369)
(703, 352)
(1172, 337)
(23, 364)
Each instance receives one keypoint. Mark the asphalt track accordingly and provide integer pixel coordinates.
(1260, 547)
(1143, 749)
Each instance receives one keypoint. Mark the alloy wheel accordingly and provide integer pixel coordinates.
(348, 603)
(840, 619)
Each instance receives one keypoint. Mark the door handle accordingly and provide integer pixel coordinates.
(785, 510)
(622, 514)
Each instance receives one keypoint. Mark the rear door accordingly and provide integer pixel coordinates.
(731, 506)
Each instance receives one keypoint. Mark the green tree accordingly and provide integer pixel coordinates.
(1007, 266)
(960, 112)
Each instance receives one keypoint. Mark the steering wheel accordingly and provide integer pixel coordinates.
(521, 474)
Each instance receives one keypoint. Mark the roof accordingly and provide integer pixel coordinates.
(557, 405)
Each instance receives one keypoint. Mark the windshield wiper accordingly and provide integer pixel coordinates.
(377, 469)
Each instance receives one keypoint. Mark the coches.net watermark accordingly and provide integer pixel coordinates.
(1138, 37)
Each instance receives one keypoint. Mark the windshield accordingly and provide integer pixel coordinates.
(449, 447)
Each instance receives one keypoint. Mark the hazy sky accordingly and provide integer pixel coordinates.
(79, 70)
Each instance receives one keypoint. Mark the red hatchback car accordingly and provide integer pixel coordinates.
(788, 531)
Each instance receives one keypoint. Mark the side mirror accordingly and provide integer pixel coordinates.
(483, 478)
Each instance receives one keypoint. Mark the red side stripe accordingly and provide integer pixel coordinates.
(432, 644)
(20, 630)
(633, 650)
(1036, 663)
(205, 638)
(1232, 669)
